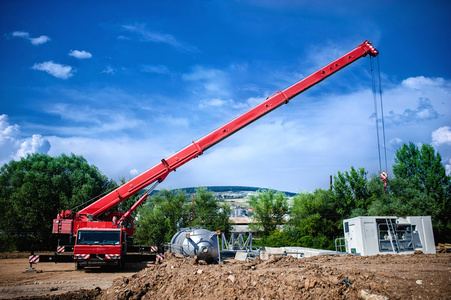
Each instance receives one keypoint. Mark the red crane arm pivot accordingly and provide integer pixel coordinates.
(162, 170)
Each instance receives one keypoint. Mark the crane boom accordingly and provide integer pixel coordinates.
(160, 171)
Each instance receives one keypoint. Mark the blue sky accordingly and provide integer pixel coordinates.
(125, 84)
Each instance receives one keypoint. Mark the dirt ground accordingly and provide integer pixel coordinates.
(54, 279)
(416, 276)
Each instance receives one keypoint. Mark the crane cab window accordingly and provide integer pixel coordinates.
(98, 237)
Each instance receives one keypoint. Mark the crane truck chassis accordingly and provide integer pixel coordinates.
(101, 236)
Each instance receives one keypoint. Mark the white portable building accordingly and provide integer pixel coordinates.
(383, 235)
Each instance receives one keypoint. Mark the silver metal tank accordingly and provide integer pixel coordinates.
(192, 242)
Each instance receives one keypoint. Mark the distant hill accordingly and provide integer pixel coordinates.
(224, 191)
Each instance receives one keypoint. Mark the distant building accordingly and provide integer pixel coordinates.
(241, 224)
(239, 212)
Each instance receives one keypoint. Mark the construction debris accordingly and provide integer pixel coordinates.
(443, 248)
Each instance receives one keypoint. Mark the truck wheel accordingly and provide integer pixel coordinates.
(78, 266)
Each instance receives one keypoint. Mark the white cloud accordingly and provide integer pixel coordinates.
(424, 111)
(54, 69)
(80, 54)
(134, 172)
(22, 34)
(91, 120)
(35, 41)
(214, 88)
(441, 136)
(209, 82)
(313, 138)
(448, 168)
(254, 101)
(39, 40)
(219, 103)
(395, 143)
(147, 35)
(202, 73)
(167, 119)
(413, 112)
(8, 139)
(117, 157)
(13, 148)
(7, 132)
(295, 148)
(35, 144)
(76, 112)
(109, 70)
(215, 102)
(319, 55)
(421, 82)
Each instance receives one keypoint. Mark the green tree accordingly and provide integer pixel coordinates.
(315, 219)
(280, 238)
(351, 191)
(269, 209)
(161, 216)
(423, 169)
(34, 189)
(403, 199)
(166, 212)
(207, 214)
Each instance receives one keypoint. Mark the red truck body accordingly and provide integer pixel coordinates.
(99, 247)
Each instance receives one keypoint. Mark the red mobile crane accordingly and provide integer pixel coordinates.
(104, 242)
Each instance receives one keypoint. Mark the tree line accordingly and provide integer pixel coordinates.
(34, 189)
(419, 187)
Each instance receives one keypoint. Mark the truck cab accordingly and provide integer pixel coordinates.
(99, 247)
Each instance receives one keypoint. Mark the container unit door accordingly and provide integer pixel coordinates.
(350, 237)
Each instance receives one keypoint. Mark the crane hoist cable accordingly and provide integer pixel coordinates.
(376, 105)
(382, 111)
(373, 85)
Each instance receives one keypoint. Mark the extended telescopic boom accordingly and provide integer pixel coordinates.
(159, 172)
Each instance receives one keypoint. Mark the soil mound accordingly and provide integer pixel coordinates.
(320, 277)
